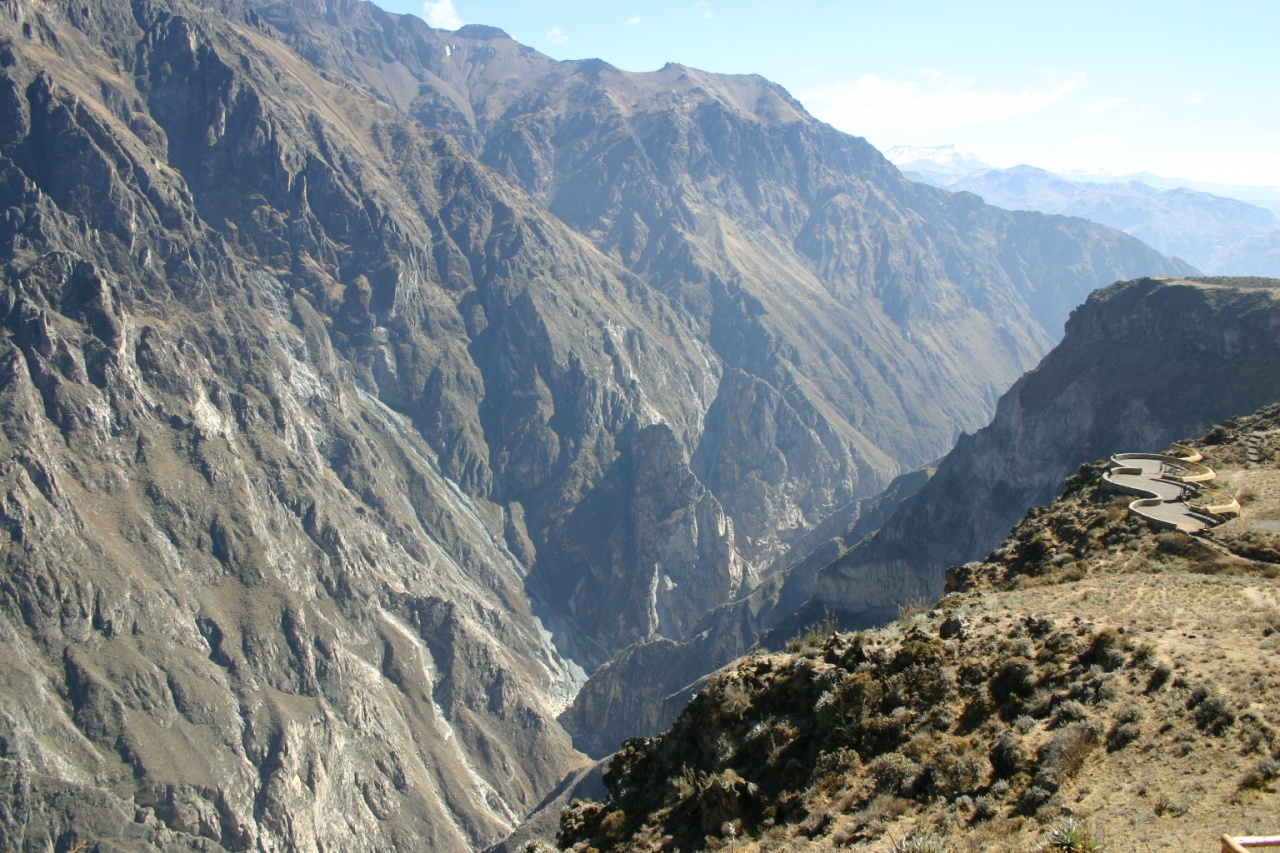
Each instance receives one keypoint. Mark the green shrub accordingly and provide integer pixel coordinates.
(686, 784)
(1159, 676)
(924, 653)
(1007, 758)
(1261, 775)
(1142, 653)
(957, 769)
(1069, 711)
(1106, 650)
(851, 706)
(813, 636)
(842, 762)
(912, 608)
(1173, 542)
(614, 825)
(1012, 683)
(735, 700)
(1217, 435)
(919, 686)
(1211, 712)
(1033, 798)
(978, 711)
(538, 847)
(1166, 805)
(1122, 735)
(1064, 755)
(894, 773)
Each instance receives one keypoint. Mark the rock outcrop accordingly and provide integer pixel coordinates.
(1142, 363)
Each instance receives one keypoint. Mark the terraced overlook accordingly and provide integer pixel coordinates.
(1142, 363)
(1170, 489)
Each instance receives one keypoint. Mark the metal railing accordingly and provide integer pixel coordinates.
(1245, 843)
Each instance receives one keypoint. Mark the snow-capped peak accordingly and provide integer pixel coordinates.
(936, 158)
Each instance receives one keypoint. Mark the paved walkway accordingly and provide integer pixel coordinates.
(1162, 499)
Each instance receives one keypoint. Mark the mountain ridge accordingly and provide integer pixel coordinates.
(651, 209)
(1054, 418)
(1221, 234)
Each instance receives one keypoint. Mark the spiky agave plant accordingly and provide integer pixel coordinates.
(1071, 836)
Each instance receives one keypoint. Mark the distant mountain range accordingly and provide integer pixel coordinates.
(1222, 229)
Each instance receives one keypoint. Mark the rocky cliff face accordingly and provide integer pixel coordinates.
(840, 300)
(1142, 363)
(334, 461)
(243, 602)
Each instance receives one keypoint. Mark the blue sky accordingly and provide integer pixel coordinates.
(1181, 89)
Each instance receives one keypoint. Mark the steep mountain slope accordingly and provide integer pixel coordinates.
(1141, 363)
(842, 300)
(333, 462)
(833, 291)
(241, 592)
(1083, 691)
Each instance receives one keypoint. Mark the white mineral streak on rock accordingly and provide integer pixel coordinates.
(483, 794)
(563, 677)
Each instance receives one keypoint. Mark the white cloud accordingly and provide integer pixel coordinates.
(557, 36)
(933, 101)
(1262, 173)
(1196, 97)
(441, 14)
(1104, 104)
(705, 6)
(632, 21)
(1094, 144)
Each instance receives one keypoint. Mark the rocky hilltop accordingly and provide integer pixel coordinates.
(1081, 690)
(1141, 363)
(346, 430)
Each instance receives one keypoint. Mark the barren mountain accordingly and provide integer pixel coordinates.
(346, 430)
(835, 300)
(1141, 363)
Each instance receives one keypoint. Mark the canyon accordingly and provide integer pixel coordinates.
(373, 395)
